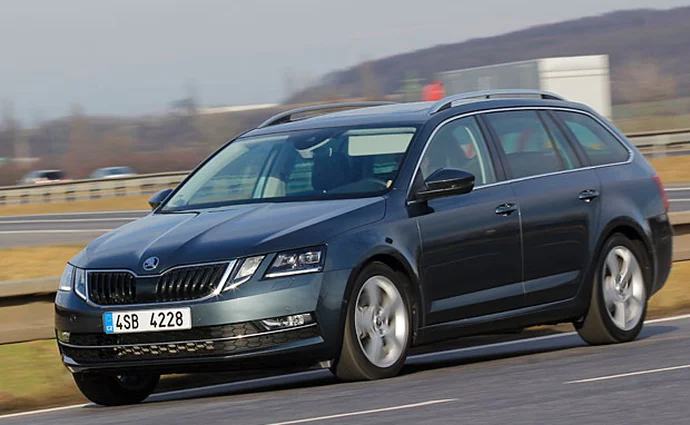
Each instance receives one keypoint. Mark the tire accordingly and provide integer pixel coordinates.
(112, 390)
(377, 335)
(618, 306)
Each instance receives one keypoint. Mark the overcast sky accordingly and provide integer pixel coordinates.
(135, 56)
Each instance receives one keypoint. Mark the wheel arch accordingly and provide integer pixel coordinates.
(634, 231)
(398, 262)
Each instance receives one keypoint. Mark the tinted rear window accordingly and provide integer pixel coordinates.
(53, 175)
(600, 146)
(529, 147)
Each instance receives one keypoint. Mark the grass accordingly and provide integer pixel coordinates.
(31, 262)
(672, 169)
(120, 203)
(32, 376)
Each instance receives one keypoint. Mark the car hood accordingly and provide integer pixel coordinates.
(222, 234)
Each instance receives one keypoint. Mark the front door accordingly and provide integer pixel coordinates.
(471, 253)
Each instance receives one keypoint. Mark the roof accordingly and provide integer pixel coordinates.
(417, 113)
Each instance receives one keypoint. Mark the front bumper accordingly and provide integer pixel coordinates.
(227, 332)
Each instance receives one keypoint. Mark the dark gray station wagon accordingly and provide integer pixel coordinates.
(343, 239)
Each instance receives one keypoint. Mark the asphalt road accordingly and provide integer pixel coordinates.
(61, 229)
(81, 228)
(546, 380)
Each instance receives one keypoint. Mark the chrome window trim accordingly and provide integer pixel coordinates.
(631, 153)
(223, 280)
(195, 341)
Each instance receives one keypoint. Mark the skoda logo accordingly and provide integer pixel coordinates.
(151, 263)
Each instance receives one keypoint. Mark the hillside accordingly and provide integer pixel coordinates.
(658, 37)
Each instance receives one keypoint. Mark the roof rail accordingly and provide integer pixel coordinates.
(286, 116)
(447, 102)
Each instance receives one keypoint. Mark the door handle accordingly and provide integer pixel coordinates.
(505, 209)
(588, 195)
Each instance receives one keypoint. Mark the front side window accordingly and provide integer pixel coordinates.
(528, 146)
(600, 146)
(302, 165)
(459, 144)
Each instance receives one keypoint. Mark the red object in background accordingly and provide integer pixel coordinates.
(433, 91)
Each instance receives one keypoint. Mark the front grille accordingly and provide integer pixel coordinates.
(190, 349)
(179, 284)
(189, 283)
(109, 288)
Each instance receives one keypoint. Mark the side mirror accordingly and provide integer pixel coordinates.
(446, 182)
(157, 198)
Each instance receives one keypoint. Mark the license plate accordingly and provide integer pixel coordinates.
(169, 319)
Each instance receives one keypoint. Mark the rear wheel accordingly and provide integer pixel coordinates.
(619, 294)
(116, 390)
(377, 326)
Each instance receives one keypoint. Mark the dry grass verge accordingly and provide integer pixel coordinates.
(32, 262)
(123, 203)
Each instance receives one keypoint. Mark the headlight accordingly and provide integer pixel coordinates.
(301, 261)
(244, 271)
(67, 278)
(73, 278)
(80, 283)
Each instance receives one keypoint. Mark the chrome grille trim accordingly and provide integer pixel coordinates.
(215, 292)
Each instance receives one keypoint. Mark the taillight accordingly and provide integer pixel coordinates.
(662, 192)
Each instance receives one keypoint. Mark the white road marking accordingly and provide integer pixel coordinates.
(38, 412)
(73, 220)
(78, 213)
(365, 412)
(679, 200)
(14, 232)
(676, 189)
(625, 375)
(190, 390)
(667, 319)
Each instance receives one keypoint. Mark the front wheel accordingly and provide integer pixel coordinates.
(377, 326)
(619, 295)
(116, 390)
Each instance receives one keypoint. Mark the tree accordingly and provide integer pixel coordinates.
(79, 149)
(643, 81)
(9, 131)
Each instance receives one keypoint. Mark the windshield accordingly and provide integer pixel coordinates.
(309, 164)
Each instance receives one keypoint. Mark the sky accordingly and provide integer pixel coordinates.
(128, 57)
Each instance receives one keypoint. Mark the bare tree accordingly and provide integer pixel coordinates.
(79, 150)
(643, 81)
(9, 131)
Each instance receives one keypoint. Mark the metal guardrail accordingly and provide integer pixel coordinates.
(660, 139)
(149, 183)
(142, 184)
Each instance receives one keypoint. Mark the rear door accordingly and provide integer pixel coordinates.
(558, 201)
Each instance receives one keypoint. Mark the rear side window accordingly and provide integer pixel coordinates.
(528, 146)
(600, 146)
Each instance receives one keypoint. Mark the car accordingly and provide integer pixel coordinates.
(112, 172)
(341, 236)
(44, 176)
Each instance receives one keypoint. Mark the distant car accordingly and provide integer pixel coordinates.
(44, 176)
(112, 172)
(350, 237)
